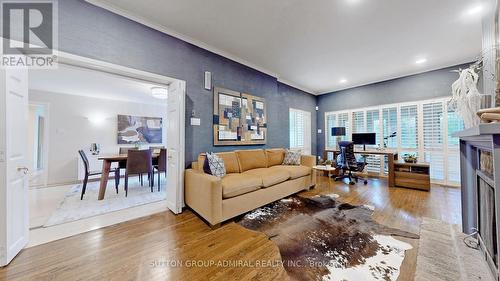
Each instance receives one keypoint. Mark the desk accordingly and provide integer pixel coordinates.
(106, 166)
(391, 156)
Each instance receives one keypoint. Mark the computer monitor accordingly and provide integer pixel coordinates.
(364, 139)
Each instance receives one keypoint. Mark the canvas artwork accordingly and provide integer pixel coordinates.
(138, 129)
(239, 118)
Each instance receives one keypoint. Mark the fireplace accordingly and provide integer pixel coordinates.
(486, 219)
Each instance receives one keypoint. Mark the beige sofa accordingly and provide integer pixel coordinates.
(254, 178)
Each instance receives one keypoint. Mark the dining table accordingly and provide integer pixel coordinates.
(107, 160)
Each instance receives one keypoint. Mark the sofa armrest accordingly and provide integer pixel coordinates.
(203, 193)
(308, 160)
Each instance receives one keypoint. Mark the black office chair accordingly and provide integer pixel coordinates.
(348, 163)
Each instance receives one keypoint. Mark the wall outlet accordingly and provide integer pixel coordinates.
(195, 121)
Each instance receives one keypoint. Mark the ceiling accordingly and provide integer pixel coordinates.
(79, 81)
(323, 45)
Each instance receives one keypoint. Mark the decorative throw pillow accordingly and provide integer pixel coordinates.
(206, 166)
(216, 164)
(292, 157)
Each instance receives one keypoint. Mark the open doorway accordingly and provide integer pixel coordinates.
(79, 117)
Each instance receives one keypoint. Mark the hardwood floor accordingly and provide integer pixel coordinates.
(168, 247)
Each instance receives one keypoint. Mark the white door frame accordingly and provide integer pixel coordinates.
(84, 62)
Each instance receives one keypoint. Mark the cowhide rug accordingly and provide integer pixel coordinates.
(320, 238)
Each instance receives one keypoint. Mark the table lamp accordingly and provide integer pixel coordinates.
(338, 132)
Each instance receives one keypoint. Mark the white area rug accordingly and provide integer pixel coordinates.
(443, 256)
(72, 208)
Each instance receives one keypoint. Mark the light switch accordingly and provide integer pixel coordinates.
(319, 131)
(195, 121)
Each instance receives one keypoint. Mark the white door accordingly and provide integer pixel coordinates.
(175, 146)
(14, 224)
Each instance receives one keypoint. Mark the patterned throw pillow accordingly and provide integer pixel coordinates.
(216, 164)
(292, 157)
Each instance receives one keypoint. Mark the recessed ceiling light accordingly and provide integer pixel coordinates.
(343, 81)
(421, 61)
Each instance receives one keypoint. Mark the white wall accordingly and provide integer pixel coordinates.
(77, 121)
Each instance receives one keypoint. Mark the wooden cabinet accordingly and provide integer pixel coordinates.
(412, 175)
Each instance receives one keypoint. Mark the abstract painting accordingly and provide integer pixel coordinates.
(239, 118)
(138, 129)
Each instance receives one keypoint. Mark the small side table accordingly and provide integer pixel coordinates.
(325, 168)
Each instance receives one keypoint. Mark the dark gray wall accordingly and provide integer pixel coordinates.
(90, 31)
(289, 97)
(423, 86)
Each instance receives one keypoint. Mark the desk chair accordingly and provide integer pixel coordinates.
(348, 163)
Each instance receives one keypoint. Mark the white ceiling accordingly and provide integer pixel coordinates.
(91, 83)
(313, 45)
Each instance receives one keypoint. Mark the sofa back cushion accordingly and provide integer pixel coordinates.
(230, 161)
(251, 159)
(275, 156)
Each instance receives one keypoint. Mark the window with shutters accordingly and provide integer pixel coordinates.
(373, 126)
(390, 127)
(300, 130)
(409, 126)
(424, 128)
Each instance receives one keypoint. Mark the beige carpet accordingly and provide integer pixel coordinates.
(442, 255)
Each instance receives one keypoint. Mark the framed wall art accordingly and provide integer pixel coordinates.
(239, 118)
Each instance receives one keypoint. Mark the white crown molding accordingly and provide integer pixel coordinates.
(296, 86)
(392, 77)
(127, 14)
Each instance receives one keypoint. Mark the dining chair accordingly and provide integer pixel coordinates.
(123, 164)
(88, 173)
(139, 162)
(161, 165)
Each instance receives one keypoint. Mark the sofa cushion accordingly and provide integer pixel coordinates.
(251, 159)
(293, 170)
(238, 184)
(269, 177)
(275, 156)
(230, 161)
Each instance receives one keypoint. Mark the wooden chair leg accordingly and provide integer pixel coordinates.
(85, 180)
(140, 178)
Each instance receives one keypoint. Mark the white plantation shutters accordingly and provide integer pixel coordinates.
(343, 121)
(409, 126)
(331, 121)
(390, 125)
(424, 128)
(433, 132)
(373, 126)
(454, 124)
(300, 130)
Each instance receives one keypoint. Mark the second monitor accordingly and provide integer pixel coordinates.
(364, 139)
